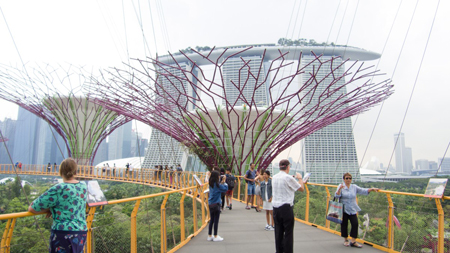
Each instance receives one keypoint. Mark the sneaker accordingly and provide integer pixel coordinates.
(217, 239)
(267, 227)
(247, 207)
(228, 207)
(231, 206)
(210, 238)
(271, 228)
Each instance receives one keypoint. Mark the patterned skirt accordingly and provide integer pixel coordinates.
(67, 241)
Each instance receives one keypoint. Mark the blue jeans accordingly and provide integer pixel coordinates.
(251, 189)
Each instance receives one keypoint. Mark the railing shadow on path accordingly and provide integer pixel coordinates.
(243, 231)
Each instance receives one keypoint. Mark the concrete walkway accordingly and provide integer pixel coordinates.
(243, 231)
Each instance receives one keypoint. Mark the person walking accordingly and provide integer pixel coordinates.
(66, 203)
(266, 195)
(250, 179)
(230, 180)
(346, 192)
(284, 187)
(217, 185)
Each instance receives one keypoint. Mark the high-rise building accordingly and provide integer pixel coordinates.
(49, 150)
(422, 164)
(102, 153)
(8, 128)
(119, 142)
(403, 155)
(329, 152)
(239, 68)
(444, 164)
(163, 149)
(35, 142)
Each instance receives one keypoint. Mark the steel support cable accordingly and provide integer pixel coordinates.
(415, 81)
(153, 26)
(357, 116)
(110, 32)
(162, 20)
(9, 155)
(443, 157)
(23, 190)
(141, 25)
(382, 103)
(125, 30)
(326, 45)
(295, 49)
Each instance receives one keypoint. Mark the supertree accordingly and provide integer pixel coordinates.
(55, 95)
(218, 117)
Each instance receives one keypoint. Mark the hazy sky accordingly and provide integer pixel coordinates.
(107, 33)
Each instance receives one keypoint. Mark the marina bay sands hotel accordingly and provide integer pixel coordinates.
(327, 153)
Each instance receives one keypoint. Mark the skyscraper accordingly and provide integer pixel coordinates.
(403, 155)
(34, 141)
(163, 149)
(329, 152)
(239, 68)
(119, 142)
(8, 128)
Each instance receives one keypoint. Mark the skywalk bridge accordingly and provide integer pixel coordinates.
(420, 221)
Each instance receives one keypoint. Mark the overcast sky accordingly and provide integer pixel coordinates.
(106, 33)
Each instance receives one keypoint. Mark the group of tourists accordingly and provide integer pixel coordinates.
(66, 204)
(276, 196)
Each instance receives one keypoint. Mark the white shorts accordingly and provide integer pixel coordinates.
(267, 205)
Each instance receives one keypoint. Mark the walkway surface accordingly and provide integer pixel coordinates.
(243, 231)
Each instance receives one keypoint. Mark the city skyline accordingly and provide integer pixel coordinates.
(364, 25)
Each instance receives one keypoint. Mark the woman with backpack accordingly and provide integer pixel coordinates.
(230, 180)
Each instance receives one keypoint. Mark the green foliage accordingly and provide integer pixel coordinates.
(302, 42)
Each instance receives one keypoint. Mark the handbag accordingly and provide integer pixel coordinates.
(335, 211)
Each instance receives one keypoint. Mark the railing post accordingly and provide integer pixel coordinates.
(202, 197)
(163, 225)
(134, 226)
(7, 235)
(239, 188)
(441, 226)
(182, 227)
(89, 219)
(307, 203)
(390, 219)
(327, 222)
(194, 209)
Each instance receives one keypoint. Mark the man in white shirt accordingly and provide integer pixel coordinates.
(284, 187)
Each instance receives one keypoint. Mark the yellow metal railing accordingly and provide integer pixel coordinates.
(437, 243)
(178, 183)
(184, 184)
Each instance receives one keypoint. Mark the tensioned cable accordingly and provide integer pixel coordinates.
(382, 103)
(326, 45)
(414, 86)
(356, 119)
(12, 163)
(443, 157)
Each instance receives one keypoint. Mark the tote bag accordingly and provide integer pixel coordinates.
(335, 211)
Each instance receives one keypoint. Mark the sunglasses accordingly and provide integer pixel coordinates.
(348, 178)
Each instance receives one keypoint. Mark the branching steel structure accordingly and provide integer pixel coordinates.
(54, 94)
(217, 132)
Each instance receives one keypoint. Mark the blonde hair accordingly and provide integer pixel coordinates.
(68, 168)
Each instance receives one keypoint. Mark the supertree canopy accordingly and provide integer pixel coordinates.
(54, 94)
(238, 108)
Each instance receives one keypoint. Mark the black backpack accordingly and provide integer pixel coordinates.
(230, 181)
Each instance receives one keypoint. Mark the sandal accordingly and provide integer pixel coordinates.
(355, 244)
(346, 243)
(257, 210)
